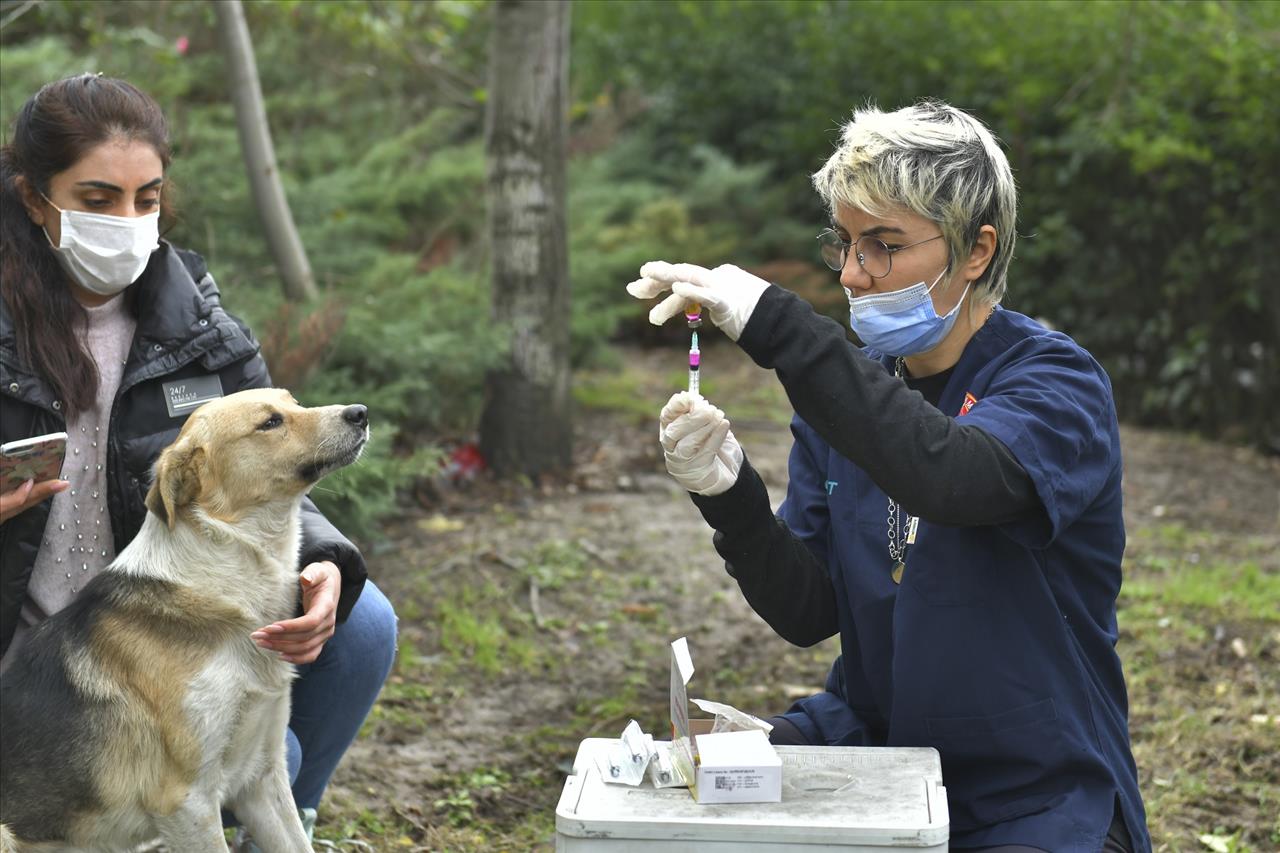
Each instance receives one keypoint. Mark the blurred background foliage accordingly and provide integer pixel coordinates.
(1142, 134)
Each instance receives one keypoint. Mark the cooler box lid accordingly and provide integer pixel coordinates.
(867, 796)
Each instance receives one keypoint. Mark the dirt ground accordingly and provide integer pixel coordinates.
(533, 616)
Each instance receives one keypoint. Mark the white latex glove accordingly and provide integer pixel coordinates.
(728, 294)
(700, 450)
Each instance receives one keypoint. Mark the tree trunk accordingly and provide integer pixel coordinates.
(259, 154)
(526, 427)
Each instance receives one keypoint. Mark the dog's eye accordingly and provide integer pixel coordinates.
(271, 423)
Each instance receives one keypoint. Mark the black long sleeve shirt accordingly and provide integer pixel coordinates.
(935, 467)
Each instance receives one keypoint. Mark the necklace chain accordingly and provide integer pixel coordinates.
(897, 548)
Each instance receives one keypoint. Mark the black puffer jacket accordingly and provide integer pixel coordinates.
(183, 332)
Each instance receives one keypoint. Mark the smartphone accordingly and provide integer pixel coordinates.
(39, 458)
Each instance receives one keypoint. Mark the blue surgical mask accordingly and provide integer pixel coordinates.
(902, 322)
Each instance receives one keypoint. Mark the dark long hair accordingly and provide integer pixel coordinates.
(54, 129)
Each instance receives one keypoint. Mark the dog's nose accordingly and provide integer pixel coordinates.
(357, 414)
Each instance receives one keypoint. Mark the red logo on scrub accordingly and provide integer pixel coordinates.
(969, 400)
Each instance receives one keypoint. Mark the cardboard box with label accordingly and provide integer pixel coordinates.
(718, 766)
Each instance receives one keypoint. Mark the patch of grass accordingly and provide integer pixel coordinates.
(400, 718)
(1209, 770)
(643, 581)
(765, 401)
(534, 832)
(557, 562)
(619, 390)
(601, 713)
(417, 692)
(1172, 535)
(458, 805)
(472, 633)
(1172, 546)
(365, 824)
(407, 657)
(638, 394)
(504, 516)
(408, 694)
(1239, 589)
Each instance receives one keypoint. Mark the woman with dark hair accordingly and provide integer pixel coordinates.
(112, 335)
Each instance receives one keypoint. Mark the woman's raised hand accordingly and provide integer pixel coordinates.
(727, 294)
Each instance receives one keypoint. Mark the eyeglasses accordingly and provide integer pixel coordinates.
(873, 255)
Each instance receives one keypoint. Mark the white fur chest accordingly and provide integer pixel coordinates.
(239, 706)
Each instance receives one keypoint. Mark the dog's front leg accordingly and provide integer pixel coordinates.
(195, 826)
(266, 808)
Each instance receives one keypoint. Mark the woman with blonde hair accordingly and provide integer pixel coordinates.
(953, 509)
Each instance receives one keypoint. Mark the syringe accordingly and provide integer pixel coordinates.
(695, 361)
(693, 316)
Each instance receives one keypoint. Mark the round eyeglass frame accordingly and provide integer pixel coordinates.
(829, 239)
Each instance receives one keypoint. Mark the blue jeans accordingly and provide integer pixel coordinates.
(333, 694)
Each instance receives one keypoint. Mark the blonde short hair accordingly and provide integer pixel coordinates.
(936, 161)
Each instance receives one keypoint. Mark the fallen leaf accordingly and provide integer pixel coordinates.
(440, 524)
(1217, 843)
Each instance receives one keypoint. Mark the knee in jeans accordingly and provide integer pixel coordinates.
(378, 626)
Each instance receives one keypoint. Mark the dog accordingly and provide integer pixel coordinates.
(143, 707)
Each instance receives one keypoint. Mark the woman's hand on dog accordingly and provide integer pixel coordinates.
(300, 640)
(28, 495)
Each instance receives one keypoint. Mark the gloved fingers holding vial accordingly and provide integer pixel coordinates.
(698, 445)
(728, 294)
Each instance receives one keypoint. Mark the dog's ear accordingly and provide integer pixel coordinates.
(177, 479)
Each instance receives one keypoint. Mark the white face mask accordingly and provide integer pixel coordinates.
(105, 254)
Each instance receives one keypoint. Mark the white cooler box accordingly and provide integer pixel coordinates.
(846, 799)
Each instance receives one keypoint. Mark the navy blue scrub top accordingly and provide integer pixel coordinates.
(998, 646)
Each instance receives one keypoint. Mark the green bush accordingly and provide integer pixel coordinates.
(1142, 136)
(626, 208)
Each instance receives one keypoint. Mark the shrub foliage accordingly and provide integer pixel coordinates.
(1142, 136)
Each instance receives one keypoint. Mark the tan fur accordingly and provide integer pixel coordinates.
(153, 660)
(247, 468)
(177, 480)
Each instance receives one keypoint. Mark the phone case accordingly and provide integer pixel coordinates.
(38, 458)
